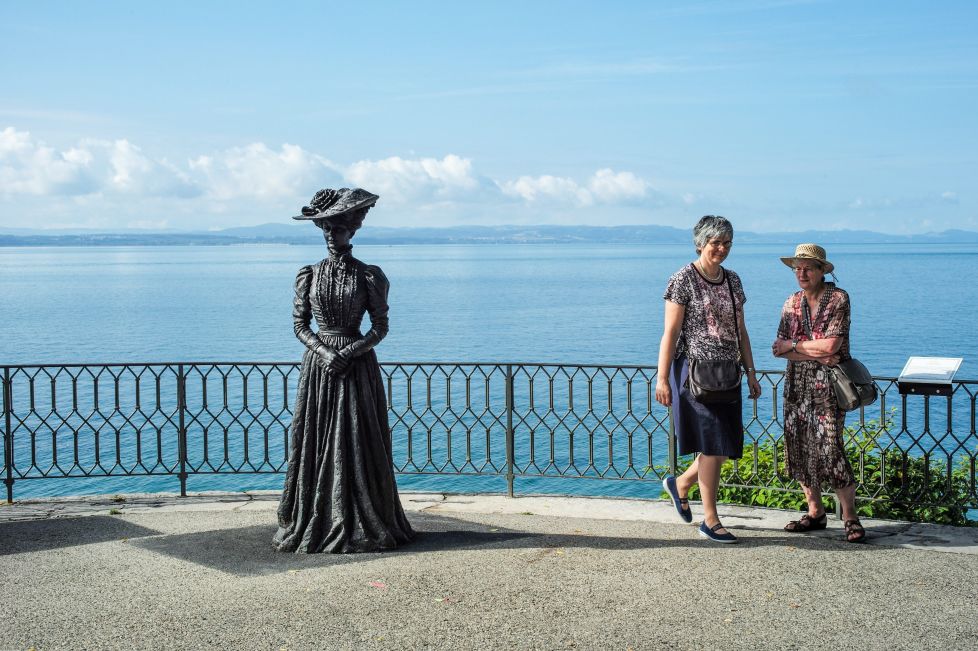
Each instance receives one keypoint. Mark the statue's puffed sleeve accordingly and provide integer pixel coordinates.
(377, 287)
(302, 311)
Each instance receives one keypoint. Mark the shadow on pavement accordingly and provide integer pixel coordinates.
(19, 537)
(248, 551)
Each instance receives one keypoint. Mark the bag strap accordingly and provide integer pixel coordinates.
(806, 317)
(733, 304)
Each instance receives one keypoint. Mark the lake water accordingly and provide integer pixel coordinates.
(538, 303)
(570, 304)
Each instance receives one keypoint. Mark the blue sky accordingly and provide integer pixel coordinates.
(780, 114)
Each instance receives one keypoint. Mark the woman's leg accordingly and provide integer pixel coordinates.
(855, 533)
(814, 498)
(847, 498)
(686, 480)
(709, 480)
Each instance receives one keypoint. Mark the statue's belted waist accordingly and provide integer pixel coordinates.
(340, 332)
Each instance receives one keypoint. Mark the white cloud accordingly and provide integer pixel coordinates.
(605, 187)
(548, 188)
(608, 186)
(401, 180)
(93, 166)
(29, 167)
(116, 182)
(257, 172)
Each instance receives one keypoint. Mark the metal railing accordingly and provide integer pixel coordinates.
(508, 421)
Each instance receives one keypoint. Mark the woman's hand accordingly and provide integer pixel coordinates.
(663, 393)
(780, 347)
(753, 386)
(829, 360)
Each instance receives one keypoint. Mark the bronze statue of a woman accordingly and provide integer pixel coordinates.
(340, 495)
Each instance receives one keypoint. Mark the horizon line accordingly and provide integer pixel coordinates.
(56, 232)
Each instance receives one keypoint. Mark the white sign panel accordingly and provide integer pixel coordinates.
(930, 370)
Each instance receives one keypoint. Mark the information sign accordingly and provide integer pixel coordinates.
(929, 376)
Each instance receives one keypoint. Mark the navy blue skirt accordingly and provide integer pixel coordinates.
(716, 429)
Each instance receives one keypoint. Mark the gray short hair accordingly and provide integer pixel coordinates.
(709, 228)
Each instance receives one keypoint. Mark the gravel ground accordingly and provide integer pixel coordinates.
(210, 579)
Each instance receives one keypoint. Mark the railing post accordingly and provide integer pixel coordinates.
(8, 435)
(673, 450)
(182, 431)
(510, 437)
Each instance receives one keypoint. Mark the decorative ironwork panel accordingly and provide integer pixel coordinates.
(455, 419)
(88, 421)
(237, 416)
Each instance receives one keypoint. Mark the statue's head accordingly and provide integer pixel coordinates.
(344, 207)
(351, 221)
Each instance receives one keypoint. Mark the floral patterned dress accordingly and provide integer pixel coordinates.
(813, 422)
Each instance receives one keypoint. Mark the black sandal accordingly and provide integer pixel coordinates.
(855, 528)
(807, 523)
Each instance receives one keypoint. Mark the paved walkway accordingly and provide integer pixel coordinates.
(486, 572)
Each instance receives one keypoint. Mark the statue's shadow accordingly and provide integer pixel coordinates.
(27, 536)
(248, 551)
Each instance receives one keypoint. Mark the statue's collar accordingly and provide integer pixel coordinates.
(341, 255)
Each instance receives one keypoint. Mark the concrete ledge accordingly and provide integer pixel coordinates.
(909, 535)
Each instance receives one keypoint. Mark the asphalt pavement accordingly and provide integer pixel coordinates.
(162, 572)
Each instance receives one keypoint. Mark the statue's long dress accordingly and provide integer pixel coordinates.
(340, 495)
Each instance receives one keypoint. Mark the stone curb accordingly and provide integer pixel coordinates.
(908, 535)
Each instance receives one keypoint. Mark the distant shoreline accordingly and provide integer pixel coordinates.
(287, 234)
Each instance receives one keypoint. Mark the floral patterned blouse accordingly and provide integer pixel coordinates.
(831, 319)
(708, 330)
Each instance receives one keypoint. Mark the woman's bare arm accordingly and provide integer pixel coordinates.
(667, 350)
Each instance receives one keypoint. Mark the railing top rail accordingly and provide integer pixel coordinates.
(879, 378)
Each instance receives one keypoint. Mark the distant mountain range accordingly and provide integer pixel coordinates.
(304, 234)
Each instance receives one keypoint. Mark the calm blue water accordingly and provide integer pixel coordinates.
(572, 304)
(561, 303)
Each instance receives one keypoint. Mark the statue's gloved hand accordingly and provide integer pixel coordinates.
(336, 361)
(339, 365)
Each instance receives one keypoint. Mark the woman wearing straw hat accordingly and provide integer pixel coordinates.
(704, 320)
(340, 495)
(814, 335)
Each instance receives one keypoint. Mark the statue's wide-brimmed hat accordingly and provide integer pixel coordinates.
(329, 204)
(810, 252)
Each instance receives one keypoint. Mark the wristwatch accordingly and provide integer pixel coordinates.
(794, 345)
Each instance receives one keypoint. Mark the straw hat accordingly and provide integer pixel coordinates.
(328, 203)
(810, 252)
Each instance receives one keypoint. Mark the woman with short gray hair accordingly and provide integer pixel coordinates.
(704, 321)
